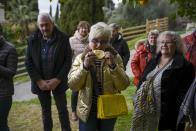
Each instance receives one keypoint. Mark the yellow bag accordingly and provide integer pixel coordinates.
(111, 106)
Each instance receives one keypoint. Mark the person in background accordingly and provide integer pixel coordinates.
(145, 51)
(78, 42)
(190, 47)
(187, 111)
(48, 61)
(93, 75)
(119, 44)
(8, 67)
(170, 85)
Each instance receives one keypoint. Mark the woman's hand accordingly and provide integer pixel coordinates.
(109, 57)
(89, 60)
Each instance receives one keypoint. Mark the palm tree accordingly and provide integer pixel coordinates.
(22, 12)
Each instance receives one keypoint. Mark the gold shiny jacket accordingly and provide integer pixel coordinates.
(79, 79)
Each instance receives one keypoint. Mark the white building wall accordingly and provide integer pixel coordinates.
(2, 13)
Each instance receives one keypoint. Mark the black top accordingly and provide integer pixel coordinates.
(175, 82)
(62, 59)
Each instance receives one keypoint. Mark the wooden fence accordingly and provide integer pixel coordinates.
(128, 34)
(132, 32)
(21, 69)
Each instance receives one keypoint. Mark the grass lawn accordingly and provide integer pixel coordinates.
(26, 115)
(132, 42)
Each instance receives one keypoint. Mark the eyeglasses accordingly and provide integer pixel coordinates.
(96, 41)
(166, 42)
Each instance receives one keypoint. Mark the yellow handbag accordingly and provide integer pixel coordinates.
(111, 106)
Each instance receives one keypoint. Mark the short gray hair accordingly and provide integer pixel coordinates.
(153, 32)
(99, 29)
(45, 16)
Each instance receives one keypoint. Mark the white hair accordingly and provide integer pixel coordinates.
(175, 38)
(100, 29)
(44, 15)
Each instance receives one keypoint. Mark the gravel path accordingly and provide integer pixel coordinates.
(22, 92)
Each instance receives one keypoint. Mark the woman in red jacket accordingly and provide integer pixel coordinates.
(145, 50)
(190, 48)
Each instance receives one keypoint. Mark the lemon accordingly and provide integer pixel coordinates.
(99, 53)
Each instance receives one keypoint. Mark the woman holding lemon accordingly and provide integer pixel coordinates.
(98, 70)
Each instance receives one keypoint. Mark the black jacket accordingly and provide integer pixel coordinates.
(8, 66)
(175, 82)
(120, 45)
(62, 57)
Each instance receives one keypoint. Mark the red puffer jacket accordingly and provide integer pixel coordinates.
(139, 61)
(190, 48)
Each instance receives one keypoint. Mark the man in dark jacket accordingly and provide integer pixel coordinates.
(8, 66)
(48, 61)
(119, 44)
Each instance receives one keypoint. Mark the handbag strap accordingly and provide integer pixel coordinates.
(153, 77)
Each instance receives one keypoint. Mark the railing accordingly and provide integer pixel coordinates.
(128, 34)
(132, 32)
(159, 24)
(21, 69)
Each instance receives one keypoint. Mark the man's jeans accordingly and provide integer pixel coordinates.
(61, 104)
(5, 106)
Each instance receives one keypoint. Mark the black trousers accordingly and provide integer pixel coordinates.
(61, 104)
(74, 100)
(5, 106)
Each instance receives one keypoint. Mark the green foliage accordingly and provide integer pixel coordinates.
(9, 33)
(132, 42)
(126, 15)
(73, 11)
(22, 12)
(12, 33)
(57, 13)
(124, 122)
(186, 8)
(50, 10)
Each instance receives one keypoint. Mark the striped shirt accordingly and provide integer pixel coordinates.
(98, 89)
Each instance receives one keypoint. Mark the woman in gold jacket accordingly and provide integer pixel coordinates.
(98, 70)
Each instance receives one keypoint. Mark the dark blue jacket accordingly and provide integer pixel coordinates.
(120, 45)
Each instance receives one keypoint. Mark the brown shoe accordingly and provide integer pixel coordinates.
(74, 116)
